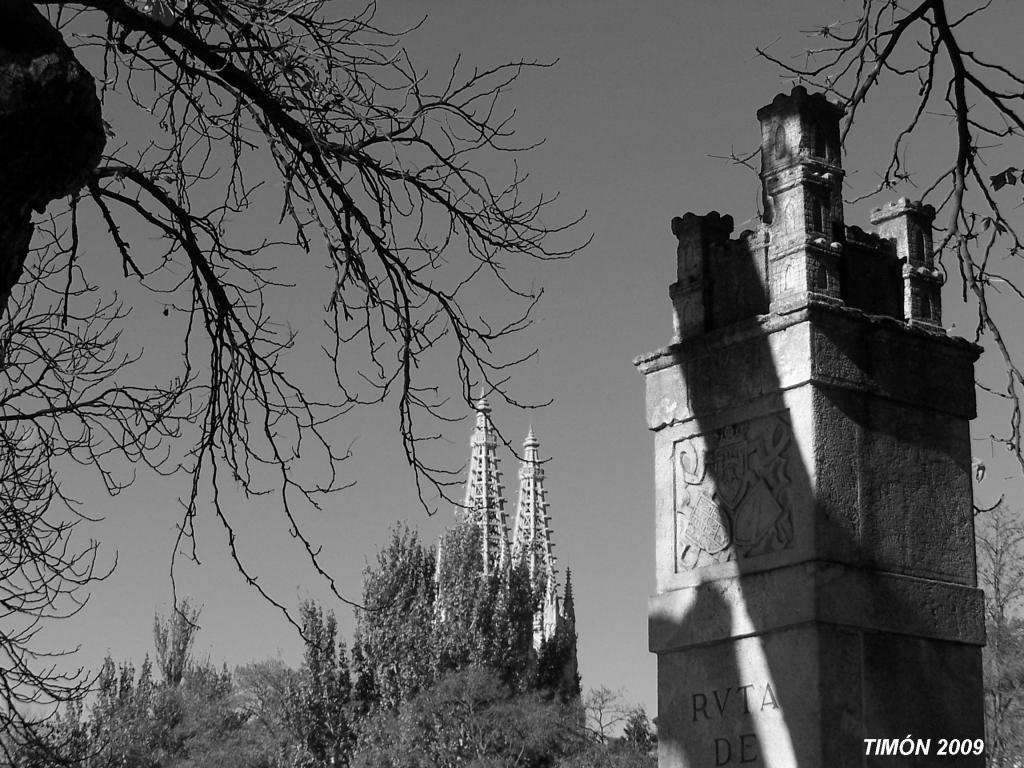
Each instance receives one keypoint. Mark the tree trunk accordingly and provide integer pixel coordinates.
(51, 129)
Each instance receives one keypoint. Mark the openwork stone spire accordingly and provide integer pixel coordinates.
(531, 540)
(485, 503)
(553, 621)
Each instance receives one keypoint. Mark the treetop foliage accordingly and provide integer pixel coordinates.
(425, 619)
(407, 695)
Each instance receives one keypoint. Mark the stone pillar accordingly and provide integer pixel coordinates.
(815, 545)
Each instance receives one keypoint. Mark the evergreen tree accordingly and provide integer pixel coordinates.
(70, 738)
(511, 652)
(556, 673)
(637, 732)
(428, 616)
(201, 722)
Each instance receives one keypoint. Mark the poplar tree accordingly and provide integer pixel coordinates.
(482, 619)
(318, 709)
(394, 631)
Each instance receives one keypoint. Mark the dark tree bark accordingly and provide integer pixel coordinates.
(51, 130)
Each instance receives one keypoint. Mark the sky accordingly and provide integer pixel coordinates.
(644, 101)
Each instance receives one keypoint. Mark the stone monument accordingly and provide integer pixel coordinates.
(816, 582)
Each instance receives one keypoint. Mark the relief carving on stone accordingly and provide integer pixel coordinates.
(732, 493)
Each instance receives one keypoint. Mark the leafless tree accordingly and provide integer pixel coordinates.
(606, 711)
(405, 187)
(1000, 542)
(918, 51)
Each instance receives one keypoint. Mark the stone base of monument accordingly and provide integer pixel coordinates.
(808, 692)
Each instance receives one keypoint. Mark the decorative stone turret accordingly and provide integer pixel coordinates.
(815, 567)
(485, 502)
(908, 227)
(802, 182)
(802, 252)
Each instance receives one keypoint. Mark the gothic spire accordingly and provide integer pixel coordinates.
(485, 503)
(568, 602)
(532, 537)
(531, 540)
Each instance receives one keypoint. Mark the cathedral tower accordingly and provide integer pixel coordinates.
(552, 627)
(532, 540)
(485, 503)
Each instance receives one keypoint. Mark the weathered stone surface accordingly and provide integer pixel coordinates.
(835, 346)
(727, 708)
(810, 695)
(51, 130)
(812, 480)
(735, 606)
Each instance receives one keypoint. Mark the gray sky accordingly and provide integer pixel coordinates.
(644, 94)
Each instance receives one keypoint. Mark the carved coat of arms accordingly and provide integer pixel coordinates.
(732, 493)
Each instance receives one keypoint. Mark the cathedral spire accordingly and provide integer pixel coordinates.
(485, 503)
(531, 540)
(532, 537)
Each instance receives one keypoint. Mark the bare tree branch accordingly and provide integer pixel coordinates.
(407, 188)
